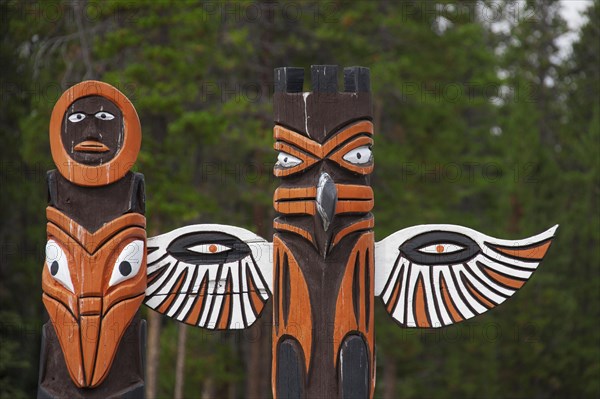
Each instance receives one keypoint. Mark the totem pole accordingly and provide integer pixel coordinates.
(94, 277)
(323, 268)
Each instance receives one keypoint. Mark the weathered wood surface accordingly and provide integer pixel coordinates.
(94, 277)
(323, 338)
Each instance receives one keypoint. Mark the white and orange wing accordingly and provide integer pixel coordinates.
(436, 275)
(208, 275)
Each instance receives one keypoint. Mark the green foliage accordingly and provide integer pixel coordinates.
(474, 126)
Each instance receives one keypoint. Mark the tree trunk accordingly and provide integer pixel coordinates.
(389, 379)
(180, 364)
(153, 354)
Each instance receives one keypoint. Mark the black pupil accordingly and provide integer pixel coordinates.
(79, 116)
(125, 268)
(285, 159)
(358, 155)
(54, 268)
(102, 116)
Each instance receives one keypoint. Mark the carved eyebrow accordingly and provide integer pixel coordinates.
(347, 133)
(281, 133)
(321, 150)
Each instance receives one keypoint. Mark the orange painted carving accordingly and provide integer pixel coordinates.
(89, 300)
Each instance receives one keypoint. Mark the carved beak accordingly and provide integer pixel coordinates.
(90, 309)
(326, 199)
(91, 146)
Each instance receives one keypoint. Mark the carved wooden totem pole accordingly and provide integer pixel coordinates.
(323, 268)
(94, 277)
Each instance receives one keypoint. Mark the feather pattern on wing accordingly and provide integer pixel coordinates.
(211, 276)
(435, 275)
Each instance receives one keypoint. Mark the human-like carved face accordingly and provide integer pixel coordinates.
(92, 130)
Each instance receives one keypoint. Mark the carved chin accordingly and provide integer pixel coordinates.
(90, 344)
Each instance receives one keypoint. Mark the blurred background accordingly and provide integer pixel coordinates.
(486, 115)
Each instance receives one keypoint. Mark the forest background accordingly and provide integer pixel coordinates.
(481, 120)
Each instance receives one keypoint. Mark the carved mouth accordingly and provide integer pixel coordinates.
(91, 146)
(302, 200)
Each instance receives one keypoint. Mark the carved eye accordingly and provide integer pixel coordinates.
(58, 266)
(212, 248)
(105, 116)
(77, 117)
(208, 248)
(287, 161)
(128, 263)
(359, 156)
(441, 248)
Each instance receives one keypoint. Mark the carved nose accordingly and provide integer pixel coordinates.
(326, 199)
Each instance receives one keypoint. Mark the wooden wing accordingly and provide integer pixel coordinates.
(209, 275)
(436, 275)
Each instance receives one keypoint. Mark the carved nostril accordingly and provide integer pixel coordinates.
(326, 199)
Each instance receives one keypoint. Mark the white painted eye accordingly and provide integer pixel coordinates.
(359, 156)
(287, 161)
(77, 117)
(58, 265)
(105, 116)
(210, 248)
(441, 248)
(128, 263)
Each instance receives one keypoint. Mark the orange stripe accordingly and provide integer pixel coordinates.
(353, 206)
(478, 295)
(509, 282)
(348, 132)
(456, 317)
(302, 142)
(294, 229)
(352, 191)
(224, 319)
(421, 312)
(529, 253)
(171, 296)
(392, 302)
(257, 301)
(295, 192)
(296, 207)
(361, 225)
(195, 313)
(311, 146)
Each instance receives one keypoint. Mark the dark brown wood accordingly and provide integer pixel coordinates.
(124, 381)
(94, 277)
(323, 338)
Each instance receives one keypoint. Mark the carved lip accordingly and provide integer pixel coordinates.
(91, 146)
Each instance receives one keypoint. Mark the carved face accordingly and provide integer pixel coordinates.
(325, 184)
(92, 130)
(95, 134)
(93, 285)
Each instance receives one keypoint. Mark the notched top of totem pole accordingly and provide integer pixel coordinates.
(320, 112)
(95, 134)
